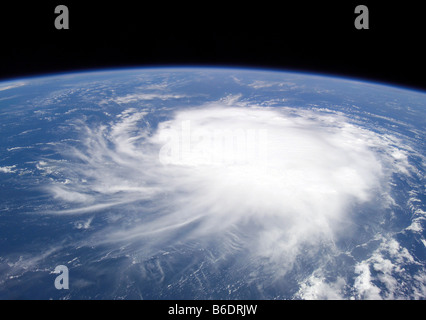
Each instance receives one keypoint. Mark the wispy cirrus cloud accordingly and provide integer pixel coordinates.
(134, 97)
(11, 85)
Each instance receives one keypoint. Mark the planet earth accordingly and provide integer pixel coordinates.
(211, 183)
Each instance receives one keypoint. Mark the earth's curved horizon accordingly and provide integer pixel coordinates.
(211, 183)
(176, 67)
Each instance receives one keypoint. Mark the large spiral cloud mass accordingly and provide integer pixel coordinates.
(272, 181)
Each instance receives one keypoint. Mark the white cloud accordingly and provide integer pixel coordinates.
(363, 283)
(11, 86)
(145, 96)
(317, 288)
(69, 195)
(415, 225)
(314, 167)
(389, 262)
(286, 85)
(8, 169)
(84, 224)
(19, 148)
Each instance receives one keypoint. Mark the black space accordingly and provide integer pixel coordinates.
(316, 36)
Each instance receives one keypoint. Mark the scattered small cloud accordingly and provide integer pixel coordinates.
(8, 169)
